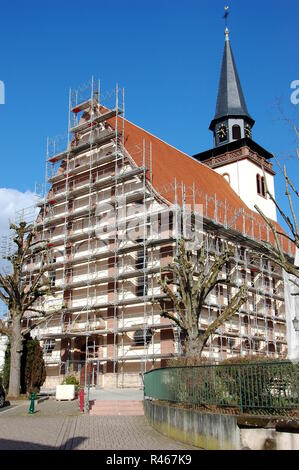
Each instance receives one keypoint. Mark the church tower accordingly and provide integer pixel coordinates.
(232, 120)
(240, 160)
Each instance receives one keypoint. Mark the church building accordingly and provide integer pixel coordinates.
(118, 200)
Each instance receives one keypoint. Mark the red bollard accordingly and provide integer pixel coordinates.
(81, 399)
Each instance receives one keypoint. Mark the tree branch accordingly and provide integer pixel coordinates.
(170, 316)
(236, 303)
(3, 298)
(37, 323)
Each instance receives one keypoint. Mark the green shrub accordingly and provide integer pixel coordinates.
(250, 383)
(33, 370)
(261, 382)
(33, 367)
(71, 380)
(189, 361)
(249, 359)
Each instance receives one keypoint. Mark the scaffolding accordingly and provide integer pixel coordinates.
(6, 250)
(110, 233)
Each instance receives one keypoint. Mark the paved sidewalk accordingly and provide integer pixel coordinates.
(59, 425)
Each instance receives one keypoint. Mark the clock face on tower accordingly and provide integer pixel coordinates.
(248, 132)
(222, 133)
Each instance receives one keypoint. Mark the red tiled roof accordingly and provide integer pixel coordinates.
(170, 164)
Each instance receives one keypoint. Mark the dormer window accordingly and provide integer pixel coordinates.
(236, 132)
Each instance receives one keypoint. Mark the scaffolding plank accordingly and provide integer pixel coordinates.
(81, 106)
(102, 138)
(96, 120)
(101, 184)
(112, 157)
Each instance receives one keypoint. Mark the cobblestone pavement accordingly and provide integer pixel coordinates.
(59, 425)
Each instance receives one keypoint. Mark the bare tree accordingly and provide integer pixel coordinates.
(291, 122)
(194, 282)
(276, 252)
(21, 296)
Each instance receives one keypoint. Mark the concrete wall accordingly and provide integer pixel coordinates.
(213, 431)
(205, 430)
(268, 439)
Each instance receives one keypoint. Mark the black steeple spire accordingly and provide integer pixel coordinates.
(232, 120)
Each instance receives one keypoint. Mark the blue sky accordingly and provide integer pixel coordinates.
(165, 53)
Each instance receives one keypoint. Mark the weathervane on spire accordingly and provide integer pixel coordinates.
(226, 10)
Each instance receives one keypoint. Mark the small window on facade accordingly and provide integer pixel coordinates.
(140, 264)
(52, 278)
(263, 187)
(258, 184)
(252, 277)
(218, 244)
(49, 346)
(236, 132)
(166, 251)
(143, 338)
(141, 289)
(227, 177)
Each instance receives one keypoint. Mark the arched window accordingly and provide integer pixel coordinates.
(236, 132)
(227, 177)
(258, 184)
(263, 187)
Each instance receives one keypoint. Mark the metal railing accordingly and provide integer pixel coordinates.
(261, 387)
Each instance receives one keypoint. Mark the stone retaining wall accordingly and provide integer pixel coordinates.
(213, 431)
(204, 430)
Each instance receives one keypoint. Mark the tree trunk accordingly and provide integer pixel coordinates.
(193, 344)
(16, 350)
